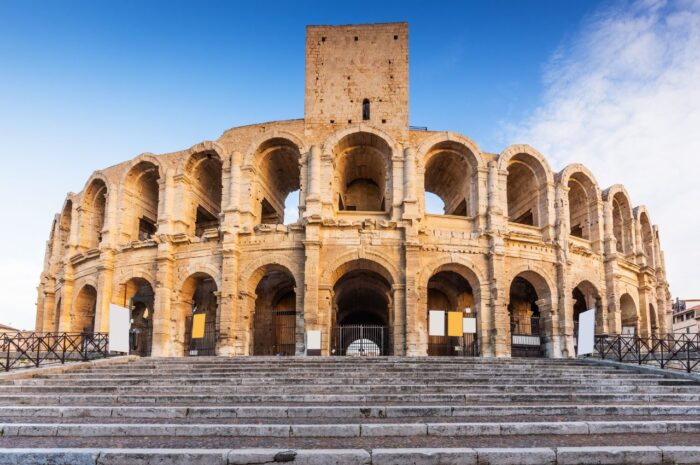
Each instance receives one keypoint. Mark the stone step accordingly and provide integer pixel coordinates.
(650, 455)
(351, 389)
(463, 399)
(404, 429)
(163, 381)
(370, 411)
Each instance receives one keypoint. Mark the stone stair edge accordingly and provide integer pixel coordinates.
(651, 455)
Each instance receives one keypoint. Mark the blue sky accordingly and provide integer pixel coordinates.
(84, 85)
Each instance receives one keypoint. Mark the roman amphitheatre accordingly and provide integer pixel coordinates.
(522, 249)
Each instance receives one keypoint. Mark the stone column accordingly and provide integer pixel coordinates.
(163, 319)
(410, 203)
(565, 307)
(610, 257)
(399, 323)
(104, 290)
(498, 344)
(313, 320)
(313, 195)
(228, 301)
(397, 184)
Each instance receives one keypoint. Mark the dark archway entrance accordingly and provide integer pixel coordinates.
(274, 322)
(200, 292)
(139, 297)
(527, 326)
(362, 302)
(448, 292)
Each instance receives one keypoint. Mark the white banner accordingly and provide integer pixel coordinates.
(586, 332)
(469, 325)
(436, 323)
(313, 340)
(119, 325)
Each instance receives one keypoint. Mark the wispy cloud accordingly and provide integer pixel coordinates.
(623, 98)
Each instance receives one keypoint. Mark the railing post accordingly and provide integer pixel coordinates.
(63, 348)
(7, 355)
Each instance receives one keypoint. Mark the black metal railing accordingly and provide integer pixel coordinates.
(453, 346)
(526, 337)
(361, 340)
(670, 351)
(32, 350)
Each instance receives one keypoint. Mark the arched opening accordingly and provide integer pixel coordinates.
(452, 295)
(137, 295)
(362, 301)
(526, 190)
(93, 214)
(83, 318)
(365, 110)
(57, 316)
(583, 213)
(141, 194)
(64, 226)
(362, 176)
(653, 321)
(628, 312)
(199, 307)
(622, 223)
(528, 305)
(586, 297)
(277, 164)
(205, 170)
(450, 176)
(647, 239)
(274, 321)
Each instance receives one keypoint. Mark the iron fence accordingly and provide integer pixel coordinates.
(672, 351)
(204, 346)
(453, 346)
(526, 337)
(361, 340)
(24, 350)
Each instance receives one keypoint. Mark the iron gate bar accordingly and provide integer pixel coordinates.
(681, 350)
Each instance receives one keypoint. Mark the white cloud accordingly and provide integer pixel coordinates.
(623, 98)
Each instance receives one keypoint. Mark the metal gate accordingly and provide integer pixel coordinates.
(453, 346)
(526, 338)
(283, 333)
(201, 346)
(360, 340)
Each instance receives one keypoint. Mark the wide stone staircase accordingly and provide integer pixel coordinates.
(324, 410)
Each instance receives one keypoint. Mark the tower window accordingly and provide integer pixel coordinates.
(365, 110)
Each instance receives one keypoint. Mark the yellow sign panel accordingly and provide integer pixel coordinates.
(198, 325)
(454, 323)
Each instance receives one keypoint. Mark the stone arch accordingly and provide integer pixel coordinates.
(363, 178)
(375, 261)
(622, 218)
(647, 246)
(531, 306)
(585, 296)
(140, 198)
(527, 185)
(332, 141)
(451, 166)
(93, 211)
(204, 168)
(276, 166)
(273, 320)
(198, 269)
(84, 309)
(450, 286)
(198, 294)
(64, 229)
(137, 294)
(628, 313)
(254, 147)
(362, 296)
(584, 201)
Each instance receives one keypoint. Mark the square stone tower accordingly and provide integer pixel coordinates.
(357, 73)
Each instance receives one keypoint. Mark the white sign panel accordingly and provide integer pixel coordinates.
(628, 330)
(469, 325)
(313, 340)
(119, 325)
(586, 332)
(436, 323)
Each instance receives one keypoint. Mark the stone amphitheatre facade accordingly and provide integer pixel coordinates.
(522, 248)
